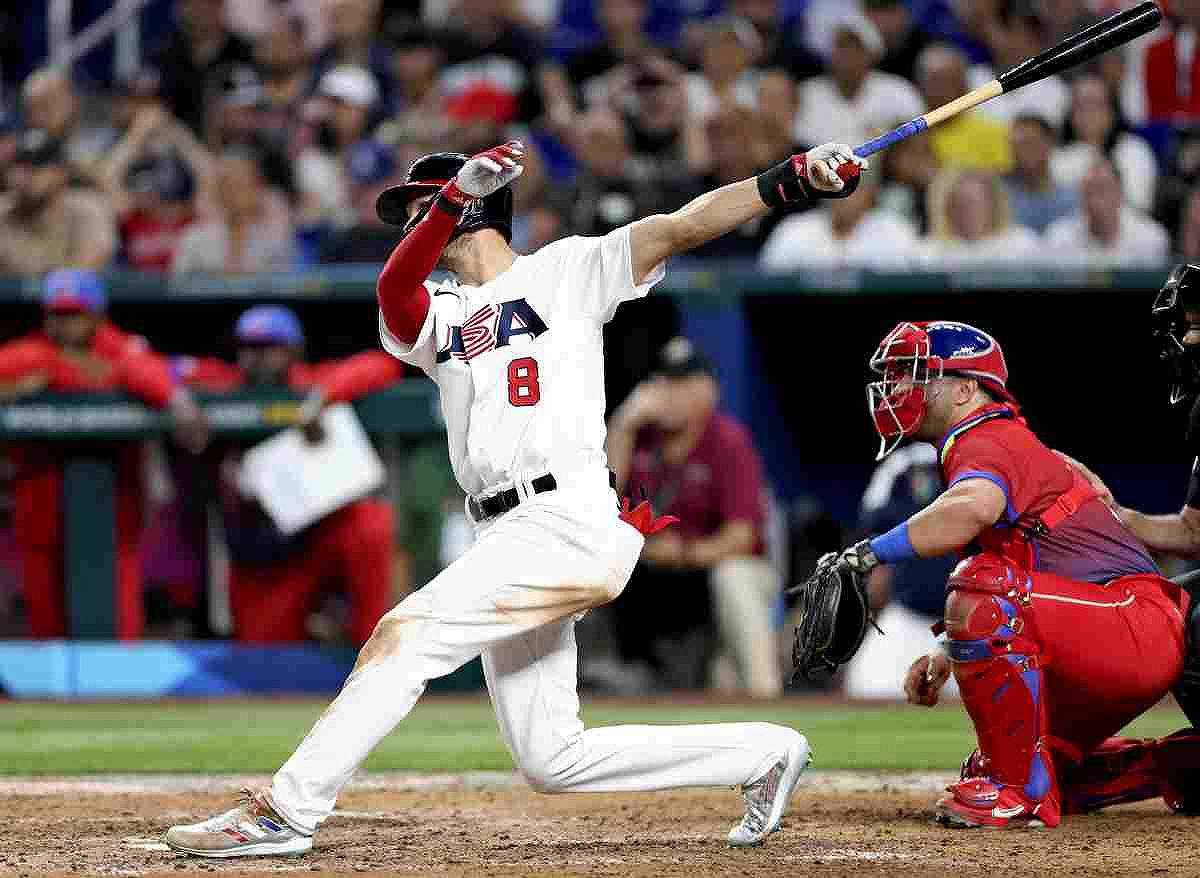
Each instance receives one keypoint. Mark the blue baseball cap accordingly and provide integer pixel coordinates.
(269, 324)
(370, 163)
(72, 289)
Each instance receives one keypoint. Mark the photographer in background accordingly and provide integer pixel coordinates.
(692, 461)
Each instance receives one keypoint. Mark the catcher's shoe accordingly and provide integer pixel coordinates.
(251, 829)
(767, 798)
(980, 802)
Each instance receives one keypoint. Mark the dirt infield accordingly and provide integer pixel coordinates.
(841, 824)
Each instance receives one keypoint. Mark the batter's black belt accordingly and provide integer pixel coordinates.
(498, 504)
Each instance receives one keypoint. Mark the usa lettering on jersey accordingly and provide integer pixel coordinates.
(490, 327)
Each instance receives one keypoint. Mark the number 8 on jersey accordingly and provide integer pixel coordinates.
(523, 388)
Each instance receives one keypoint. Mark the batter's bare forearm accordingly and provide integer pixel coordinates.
(708, 216)
(1177, 534)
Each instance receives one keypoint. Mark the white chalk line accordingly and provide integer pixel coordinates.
(221, 784)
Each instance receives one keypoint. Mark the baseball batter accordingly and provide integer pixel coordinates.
(515, 346)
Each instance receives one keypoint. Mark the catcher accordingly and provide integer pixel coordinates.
(1058, 627)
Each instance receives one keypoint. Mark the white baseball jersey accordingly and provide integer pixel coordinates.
(519, 360)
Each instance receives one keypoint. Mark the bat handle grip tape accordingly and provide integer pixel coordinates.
(933, 117)
(883, 141)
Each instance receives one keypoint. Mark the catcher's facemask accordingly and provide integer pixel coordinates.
(914, 354)
(897, 402)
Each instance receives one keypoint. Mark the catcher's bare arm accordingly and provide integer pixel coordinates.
(828, 171)
(833, 603)
(956, 518)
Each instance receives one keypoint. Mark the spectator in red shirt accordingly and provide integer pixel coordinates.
(78, 350)
(1170, 72)
(160, 209)
(274, 580)
(155, 177)
(668, 440)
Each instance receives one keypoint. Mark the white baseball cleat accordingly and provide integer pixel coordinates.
(767, 798)
(251, 829)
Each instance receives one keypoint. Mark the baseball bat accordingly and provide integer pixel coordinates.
(1116, 30)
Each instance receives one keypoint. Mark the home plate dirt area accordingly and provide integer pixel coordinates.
(841, 824)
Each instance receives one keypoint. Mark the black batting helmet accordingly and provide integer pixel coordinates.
(426, 176)
(1169, 324)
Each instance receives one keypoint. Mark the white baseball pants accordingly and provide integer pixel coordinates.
(514, 598)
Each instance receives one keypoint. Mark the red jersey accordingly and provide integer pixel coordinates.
(252, 538)
(1172, 87)
(150, 241)
(115, 361)
(721, 480)
(339, 380)
(1091, 545)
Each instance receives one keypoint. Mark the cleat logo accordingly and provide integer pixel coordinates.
(1008, 812)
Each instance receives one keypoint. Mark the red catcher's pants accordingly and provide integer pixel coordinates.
(38, 511)
(352, 547)
(1114, 651)
(1109, 652)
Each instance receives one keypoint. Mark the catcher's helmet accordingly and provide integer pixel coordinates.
(426, 176)
(1169, 324)
(912, 355)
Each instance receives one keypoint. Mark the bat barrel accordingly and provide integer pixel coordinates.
(1113, 31)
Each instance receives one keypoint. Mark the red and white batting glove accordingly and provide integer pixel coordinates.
(485, 173)
(642, 518)
(831, 170)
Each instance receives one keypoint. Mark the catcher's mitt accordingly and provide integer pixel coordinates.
(834, 611)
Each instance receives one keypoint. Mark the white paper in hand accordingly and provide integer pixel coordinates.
(299, 483)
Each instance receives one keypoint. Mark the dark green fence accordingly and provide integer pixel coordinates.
(82, 424)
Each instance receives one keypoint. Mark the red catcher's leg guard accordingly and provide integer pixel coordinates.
(998, 665)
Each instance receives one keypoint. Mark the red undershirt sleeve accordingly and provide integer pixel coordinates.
(403, 298)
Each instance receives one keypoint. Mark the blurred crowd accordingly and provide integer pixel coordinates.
(255, 135)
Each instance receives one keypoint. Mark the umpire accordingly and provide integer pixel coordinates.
(1175, 318)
